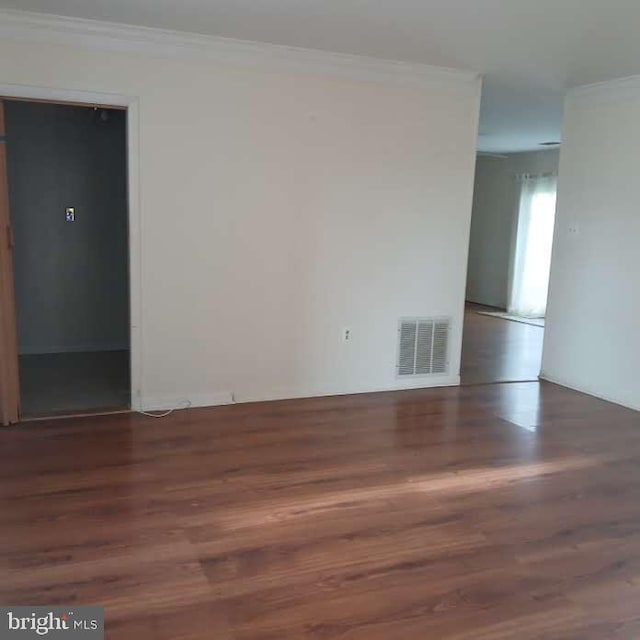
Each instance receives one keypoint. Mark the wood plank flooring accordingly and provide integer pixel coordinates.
(473, 513)
(498, 350)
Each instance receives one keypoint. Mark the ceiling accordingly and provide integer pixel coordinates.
(529, 50)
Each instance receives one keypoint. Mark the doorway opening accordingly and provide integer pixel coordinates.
(68, 209)
(511, 239)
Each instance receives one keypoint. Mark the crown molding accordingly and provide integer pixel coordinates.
(610, 91)
(27, 92)
(40, 28)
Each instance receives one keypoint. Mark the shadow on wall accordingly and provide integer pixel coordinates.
(72, 291)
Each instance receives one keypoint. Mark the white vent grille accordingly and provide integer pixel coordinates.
(423, 346)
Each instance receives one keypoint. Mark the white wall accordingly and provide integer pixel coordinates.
(493, 221)
(592, 339)
(279, 206)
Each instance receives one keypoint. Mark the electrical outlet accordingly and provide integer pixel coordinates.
(346, 334)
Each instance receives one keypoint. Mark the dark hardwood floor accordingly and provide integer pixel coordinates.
(470, 513)
(497, 350)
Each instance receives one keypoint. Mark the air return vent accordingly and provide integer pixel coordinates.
(423, 345)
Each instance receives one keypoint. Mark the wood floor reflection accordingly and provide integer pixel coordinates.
(479, 512)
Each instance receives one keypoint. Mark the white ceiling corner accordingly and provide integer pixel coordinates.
(24, 26)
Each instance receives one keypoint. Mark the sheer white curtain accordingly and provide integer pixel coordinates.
(534, 237)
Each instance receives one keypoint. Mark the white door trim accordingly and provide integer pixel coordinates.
(133, 168)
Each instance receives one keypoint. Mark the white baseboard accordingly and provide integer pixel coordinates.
(187, 400)
(82, 348)
(291, 394)
(590, 392)
(164, 403)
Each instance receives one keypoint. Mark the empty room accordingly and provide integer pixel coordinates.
(306, 332)
(67, 184)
